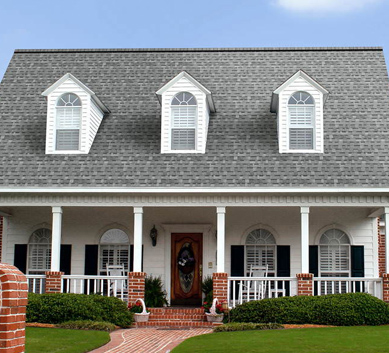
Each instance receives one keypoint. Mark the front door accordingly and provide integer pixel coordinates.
(187, 257)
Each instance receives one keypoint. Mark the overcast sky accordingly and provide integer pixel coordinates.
(181, 24)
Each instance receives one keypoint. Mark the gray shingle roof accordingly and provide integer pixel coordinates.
(242, 147)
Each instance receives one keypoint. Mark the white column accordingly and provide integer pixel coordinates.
(221, 235)
(138, 231)
(304, 239)
(386, 219)
(56, 238)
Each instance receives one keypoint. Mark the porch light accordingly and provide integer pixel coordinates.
(154, 235)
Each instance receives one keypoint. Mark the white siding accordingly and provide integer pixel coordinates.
(299, 84)
(90, 119)
(184, 85)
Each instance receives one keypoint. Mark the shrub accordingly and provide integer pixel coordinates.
(155, 296)
(241, 326)
(56, 308)
(350, 309)
(207, 289)
(88, 325)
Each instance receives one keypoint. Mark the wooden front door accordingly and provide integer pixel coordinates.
(187, 261)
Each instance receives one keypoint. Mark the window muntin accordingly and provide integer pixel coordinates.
(39, 252)
(334, 252)
(114, 250)
(68, 122)
(184, 121)
(301, 110)
(261, 250)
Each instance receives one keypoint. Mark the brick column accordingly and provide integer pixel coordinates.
(305, 284)
(53, 281)
(381, 246)
(13, 288)
(385, 287)
(136, 286)
(220, 285)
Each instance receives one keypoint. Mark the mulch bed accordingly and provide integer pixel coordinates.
(37, 324)
(287, 326)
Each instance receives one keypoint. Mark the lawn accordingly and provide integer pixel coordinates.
(360, 339)
(56, 340)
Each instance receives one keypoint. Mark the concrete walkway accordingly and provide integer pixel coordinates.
(148, 340)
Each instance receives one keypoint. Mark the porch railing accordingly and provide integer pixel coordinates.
(36, 283)
(110, 286)
(335, 285)
(244, 289)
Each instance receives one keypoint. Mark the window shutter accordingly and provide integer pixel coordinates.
(237, 260)
(66, 259)
(283, 261)
(20, 259)
(314, 260)
(132, 257)
(91, 259)
(357, 261)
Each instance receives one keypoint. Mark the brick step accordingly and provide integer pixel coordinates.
(176, 311)
(167, 318)
(176, 324)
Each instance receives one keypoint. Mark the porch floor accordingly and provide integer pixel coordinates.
(148, 340)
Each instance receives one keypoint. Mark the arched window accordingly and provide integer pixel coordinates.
(68, 122)
(261, 250)
(301, 109)
(334, 254)
(184, 121)
(114, 250)
(39, 252)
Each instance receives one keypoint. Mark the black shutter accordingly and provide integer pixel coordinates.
(314, 264)
(283, 265)
(20, 259)
(237, 260)
(132, 257)
(66, 259)
(91, 259)
(314, 260)
(357, 261)
(237, 266)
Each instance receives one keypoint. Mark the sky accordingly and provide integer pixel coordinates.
(51, 24)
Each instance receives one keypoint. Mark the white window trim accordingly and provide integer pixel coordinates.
(313, 127)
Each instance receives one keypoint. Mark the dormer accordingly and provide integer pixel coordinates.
(74, 114)
(185, 108)
(299, 104)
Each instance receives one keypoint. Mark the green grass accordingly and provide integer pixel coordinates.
(361, 339)
(56, 340)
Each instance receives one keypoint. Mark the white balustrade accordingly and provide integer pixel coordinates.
(336, 285)
(36, 283)
(244, 289)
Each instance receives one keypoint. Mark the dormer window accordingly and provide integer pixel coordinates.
(299, 104)
(184, 120)
(74, 114)
(185, 110)
(301, 109)
(68, 122)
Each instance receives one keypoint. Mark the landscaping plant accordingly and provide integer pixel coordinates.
(155, 296)
(349, 309)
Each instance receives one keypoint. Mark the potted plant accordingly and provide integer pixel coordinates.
(141, 314)
(215, 311)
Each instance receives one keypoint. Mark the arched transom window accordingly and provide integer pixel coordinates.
(68, 122)
(39, 251)
(184, 121)
(261, 250)
(334, 254)
(114, 250)
(301, 109)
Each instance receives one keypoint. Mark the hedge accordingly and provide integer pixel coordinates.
(87, 325)
(243, 326)
(57, 308)
(350, 309)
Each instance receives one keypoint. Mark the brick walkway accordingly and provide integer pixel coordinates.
(148, 340)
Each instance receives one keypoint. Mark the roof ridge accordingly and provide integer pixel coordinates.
(264, 49)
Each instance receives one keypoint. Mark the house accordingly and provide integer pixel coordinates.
(264, 168)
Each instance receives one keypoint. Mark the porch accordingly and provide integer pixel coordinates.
(82, 242)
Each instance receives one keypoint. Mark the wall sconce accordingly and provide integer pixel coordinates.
(154, 235)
